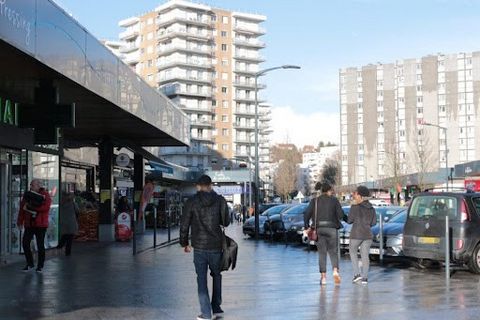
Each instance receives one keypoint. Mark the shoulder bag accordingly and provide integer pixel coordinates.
(312, 232)
(229, 246)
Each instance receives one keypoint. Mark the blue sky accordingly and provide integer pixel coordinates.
(323, 36)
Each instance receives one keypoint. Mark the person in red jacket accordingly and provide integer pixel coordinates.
(33, 215)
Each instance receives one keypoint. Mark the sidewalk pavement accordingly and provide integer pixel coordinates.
(272, 281)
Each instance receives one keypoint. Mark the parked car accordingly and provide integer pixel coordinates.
(379, 202)
(392, 236)
(265, 206)
(385, 212)
(283, 222)
(249, 225)
(424, 232)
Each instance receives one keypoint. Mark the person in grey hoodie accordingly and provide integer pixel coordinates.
(362, 216)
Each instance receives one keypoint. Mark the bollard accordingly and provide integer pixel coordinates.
(381, 239)
(168, 223)
(447, 250)
(154, 227)
(134, 237)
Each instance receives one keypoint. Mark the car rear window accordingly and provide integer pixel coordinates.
(434, 206)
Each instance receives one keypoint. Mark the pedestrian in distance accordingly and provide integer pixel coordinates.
(68, 222)
(33, 216)
(205, 214)
(362, 216)
(326, 214)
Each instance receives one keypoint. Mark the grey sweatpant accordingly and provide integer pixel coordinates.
(364, 252)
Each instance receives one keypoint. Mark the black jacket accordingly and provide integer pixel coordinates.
(329, 212)
(363, 218)
(202, 214)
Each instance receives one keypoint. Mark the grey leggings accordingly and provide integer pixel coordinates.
(327, 242)
(364, 252)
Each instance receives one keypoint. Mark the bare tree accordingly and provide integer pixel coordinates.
(330, 172)
(393, 166)
(286, 175)
(423, 159)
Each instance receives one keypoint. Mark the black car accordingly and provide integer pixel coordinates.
(281, 223)
(392, 236)
(424, 233)
(249, 225)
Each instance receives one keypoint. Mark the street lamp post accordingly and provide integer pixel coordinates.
(446, 145)
(257, 179)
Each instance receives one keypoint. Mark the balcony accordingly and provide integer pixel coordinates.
(201, 123)
(244, 98)
(184, 78)
(132, 58)
(164, 50)
(244, 126)
(250, 71)
(185, 63)
(204, 138)
(180, 91)
(249, 58)
(244, 140)
(205, 22)
(248, 85)
(201, 110)
(244, 28)
(130, 34)
(249, 43)
(244, 112)
(129, 47)
(184, 33)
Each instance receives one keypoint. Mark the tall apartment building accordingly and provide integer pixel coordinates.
(383, 108)
(205, 60)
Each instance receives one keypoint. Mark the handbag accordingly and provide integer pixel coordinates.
(312, 232)
(229, 247)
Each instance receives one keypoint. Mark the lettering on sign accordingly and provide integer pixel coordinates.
(7, 109)
(15, 19)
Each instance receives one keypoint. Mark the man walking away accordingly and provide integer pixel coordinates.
(33, 215)
(363, 217)
(326, 213)
(204, 214)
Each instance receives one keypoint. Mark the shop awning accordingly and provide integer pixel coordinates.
(45, 44)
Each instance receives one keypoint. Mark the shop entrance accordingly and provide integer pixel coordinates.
(13, 176)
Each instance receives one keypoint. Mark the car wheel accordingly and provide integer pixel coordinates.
(374, 257)
(474, 263)
(422, 264)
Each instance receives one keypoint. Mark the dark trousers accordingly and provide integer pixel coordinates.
(204, 260)
(39, 234)
(66, 240)
(327, 243)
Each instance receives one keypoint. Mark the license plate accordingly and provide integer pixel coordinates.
(374, 250)
(428, 240)
(344, 241)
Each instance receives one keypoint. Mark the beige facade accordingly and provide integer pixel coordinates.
(384, 107)
(205, 60)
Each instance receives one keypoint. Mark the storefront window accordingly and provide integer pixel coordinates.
(45, 167)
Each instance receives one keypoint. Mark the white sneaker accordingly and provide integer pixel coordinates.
(200, 317)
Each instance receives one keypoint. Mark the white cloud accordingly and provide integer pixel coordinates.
(304, 129)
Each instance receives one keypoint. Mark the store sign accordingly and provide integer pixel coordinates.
(473, 185)
(228, 190)
(12, 18)
(7, 111)
(122, 160)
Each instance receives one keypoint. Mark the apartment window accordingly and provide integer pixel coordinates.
(419, 99)
(150, 63)
(420, 110)
(224, 89)
(224, 76)
(150, 21)
(225, 20)
(223, 34)
(214, 103)
(224, 132)
(225, 147)
(150, 36)
(224, 47)
(225, 103)
(150, 77)
(150, 49)
(224, 118)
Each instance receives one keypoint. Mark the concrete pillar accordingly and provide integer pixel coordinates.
(106, 228)
(138, 183)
